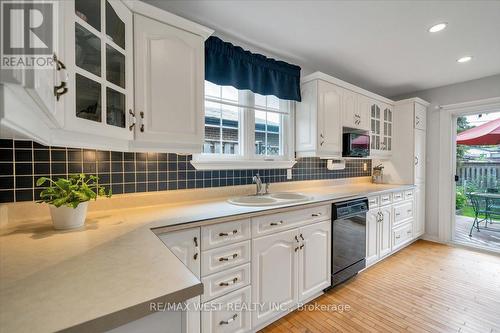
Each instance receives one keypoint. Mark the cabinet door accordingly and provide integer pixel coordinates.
(385, 231)
(314, 259)
(274, 273)
(386, 144)
(419, 224)
(420, 117)
(329, 119)
(191, 319)
(372, 223)
(185, 244)
(98, 55)
(419, 157)
(169, 71)
(363, 113)
(350, 111)
(375, 125)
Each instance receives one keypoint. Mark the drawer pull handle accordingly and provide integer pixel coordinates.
(233, 256)
(228, 283)
(276, 223)
(222, 234)
(229, 321)
(397, 214)
(296, 238)
(296, 249)
(301, 247)
(409, 211)
(398, 236)
(195, 256)
(408, 232)
(316, 214)
(195, 241)
(301, 237)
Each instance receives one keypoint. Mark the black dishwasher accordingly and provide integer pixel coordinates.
(348, 239)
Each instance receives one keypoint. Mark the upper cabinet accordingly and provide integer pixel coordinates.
(318, 120)
(93, 98)
(169, 83)
(99, 60)
(381, 128)
(330, 107)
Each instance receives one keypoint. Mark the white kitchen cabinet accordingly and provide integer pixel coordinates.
(274, 273)
(420, 121)
(314, 259)
(419, 159)
(361, 118)
(419, 223)
(378, 234)
(98, 55)
(185, 244)
(381, 127)
(355, 111)
(318, 120)
(169, 86)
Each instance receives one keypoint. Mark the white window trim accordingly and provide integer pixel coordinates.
(247, 159)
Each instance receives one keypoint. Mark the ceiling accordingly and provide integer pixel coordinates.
(382, 46)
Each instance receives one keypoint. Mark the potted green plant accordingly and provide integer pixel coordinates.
(68, 198)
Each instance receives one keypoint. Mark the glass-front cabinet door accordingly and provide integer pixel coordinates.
(381, 128)
(98, 53)
(375, 121)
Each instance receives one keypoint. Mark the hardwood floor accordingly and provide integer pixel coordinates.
(426, 287)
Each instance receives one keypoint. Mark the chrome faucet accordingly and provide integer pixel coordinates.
(258, 183)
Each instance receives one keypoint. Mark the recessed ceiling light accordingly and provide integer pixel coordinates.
(464, 59)
(438, 27)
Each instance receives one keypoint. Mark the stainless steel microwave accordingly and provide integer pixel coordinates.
(355, 145)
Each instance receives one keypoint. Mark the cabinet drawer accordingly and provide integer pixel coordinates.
(221, 283)
(402, 212)
(224, 233)
(225, 257)
(385, 199)
(398, 196)
(409, 195)
(264, 225)
(373, 202)
(402, 234)
(228, 315)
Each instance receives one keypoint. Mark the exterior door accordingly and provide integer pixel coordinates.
(169, 72)
(274, 273)
(372, 224)
(385, 231)
(329, 119)
(314, 259)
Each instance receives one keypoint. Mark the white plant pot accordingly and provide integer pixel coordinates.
(65, 217)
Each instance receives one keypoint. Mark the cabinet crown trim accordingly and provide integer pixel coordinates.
(346, 85)
(139, 7)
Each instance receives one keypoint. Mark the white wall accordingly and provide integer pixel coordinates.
(438, 138)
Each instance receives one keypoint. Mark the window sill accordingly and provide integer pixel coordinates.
(202, 164)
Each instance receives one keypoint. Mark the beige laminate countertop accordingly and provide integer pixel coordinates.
(108, 272)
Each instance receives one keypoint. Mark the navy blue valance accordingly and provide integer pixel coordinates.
(229, 65)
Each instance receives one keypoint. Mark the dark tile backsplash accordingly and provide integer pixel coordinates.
(23, 162)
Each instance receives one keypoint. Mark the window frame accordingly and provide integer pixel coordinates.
(247, 157)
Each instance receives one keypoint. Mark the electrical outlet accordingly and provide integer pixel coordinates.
(288, 173)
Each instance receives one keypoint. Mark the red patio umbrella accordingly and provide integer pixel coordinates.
(485, 134)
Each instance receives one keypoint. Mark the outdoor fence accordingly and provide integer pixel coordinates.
(482, 174)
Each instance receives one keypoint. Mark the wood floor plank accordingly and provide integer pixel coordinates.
(426, 287)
